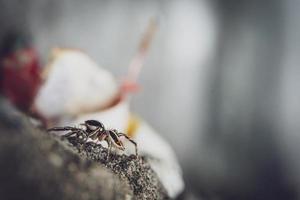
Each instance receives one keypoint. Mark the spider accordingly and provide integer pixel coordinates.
(95, 130)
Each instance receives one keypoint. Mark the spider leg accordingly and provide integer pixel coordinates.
(93, 135)
(66, 128)
(130, 140)
(109, 149)
(79, 133)
(70, 134)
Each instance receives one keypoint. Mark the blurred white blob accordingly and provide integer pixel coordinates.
(74, 84)
(76, 89)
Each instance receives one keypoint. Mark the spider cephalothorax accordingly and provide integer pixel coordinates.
(92, 125)
(96, 131)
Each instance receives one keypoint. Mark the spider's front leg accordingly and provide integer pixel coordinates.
(130, 140)
(72, 130)
(67, 135)
(65, 128)
(80, 134)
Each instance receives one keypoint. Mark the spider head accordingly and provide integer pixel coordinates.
(113, 134)
(92, 125)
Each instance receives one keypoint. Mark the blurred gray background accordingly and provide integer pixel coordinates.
(221, 82)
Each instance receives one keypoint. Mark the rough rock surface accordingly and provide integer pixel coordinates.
(35, 165)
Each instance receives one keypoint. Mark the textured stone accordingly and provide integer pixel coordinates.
(36, 165)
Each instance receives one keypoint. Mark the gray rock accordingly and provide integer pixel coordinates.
(36, 165)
